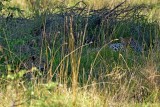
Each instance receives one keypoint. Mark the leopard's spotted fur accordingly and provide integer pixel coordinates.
(116, 46)
(125, 43)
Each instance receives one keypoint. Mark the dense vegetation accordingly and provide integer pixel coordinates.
(55, 53)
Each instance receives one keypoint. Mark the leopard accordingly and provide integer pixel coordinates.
(116, 47)
(127, 42)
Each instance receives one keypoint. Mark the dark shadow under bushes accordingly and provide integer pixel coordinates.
(102, 25)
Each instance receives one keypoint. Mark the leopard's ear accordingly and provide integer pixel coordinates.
(130, 39)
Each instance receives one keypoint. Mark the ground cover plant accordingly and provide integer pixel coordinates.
(57, 53)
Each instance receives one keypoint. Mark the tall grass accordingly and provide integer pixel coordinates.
(78, 74)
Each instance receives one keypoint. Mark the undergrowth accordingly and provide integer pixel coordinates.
(53, 57)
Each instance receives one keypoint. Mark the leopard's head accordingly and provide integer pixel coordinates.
(126, 41)
(131, 42)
